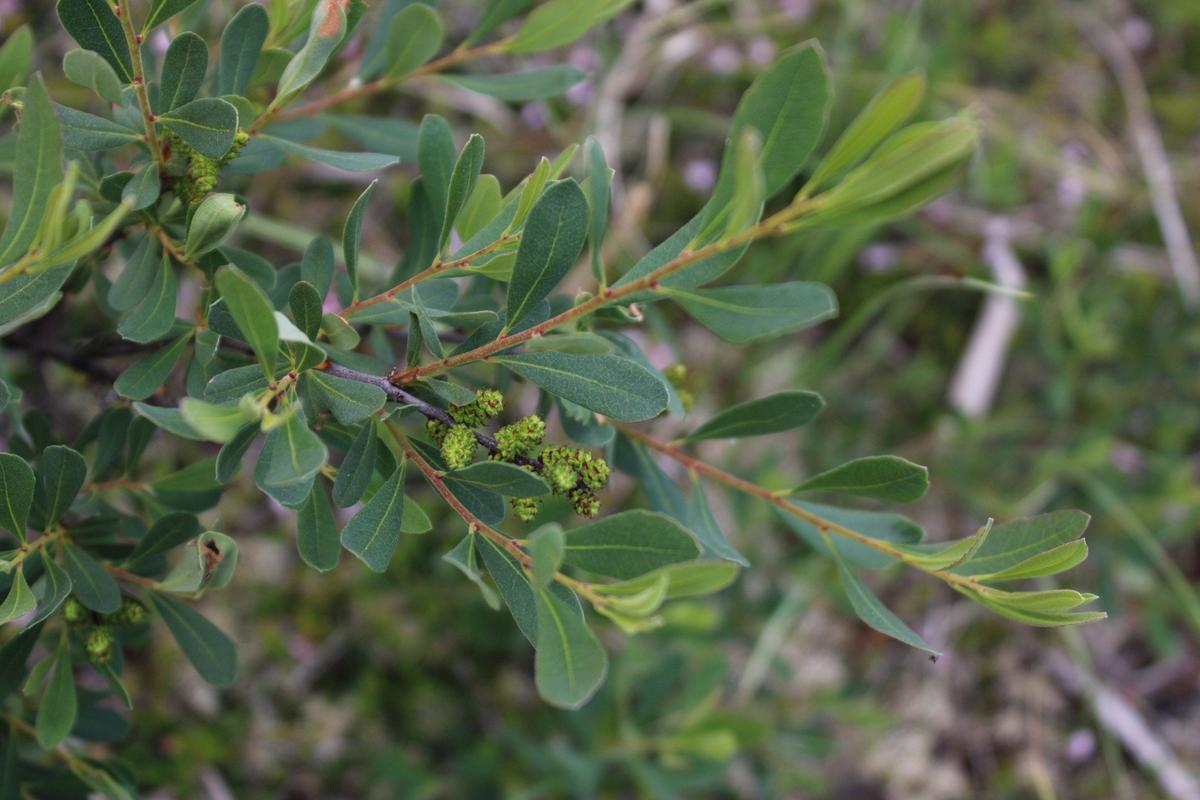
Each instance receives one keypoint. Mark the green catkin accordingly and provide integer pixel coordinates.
(437, 430)
(200, 173)
(99, 643)
(521, 438)
(74, 612)
(458, 447)
(488, 404)
(526, 508)
(562, 478)
(584, 502)
(131, 612)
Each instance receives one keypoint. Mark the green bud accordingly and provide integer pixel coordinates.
(490, 402)
(213, 222)
(522, 438)
(676, 374)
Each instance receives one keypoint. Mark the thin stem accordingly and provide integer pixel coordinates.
(475, 523)
(771, 226)
(35, 546)
(351, 92)
(824, 526)
(132, 577)
(134, 40)
(437, 267)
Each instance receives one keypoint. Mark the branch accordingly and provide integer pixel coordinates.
(351, 92)
(134, 41)
(823, 525)
(771, 226)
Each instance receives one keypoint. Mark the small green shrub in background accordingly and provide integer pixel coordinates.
(291, 367)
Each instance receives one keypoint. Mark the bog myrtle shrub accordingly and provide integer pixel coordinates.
(285, 376)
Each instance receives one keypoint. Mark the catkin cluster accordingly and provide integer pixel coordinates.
(97, 629)
(197, 173)
(573, 474)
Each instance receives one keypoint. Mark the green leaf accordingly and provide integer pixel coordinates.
(788, 105)
(1050, 608)
(871, 610)
(94, 26)
(880, 477)
(229, 459)
(91, 71)
(15, 55)
(550, 244)
(742, 199)
(607, 384)
(325, 33)
(211, 652)
(350, 401)
(495, 13)
(317, 531)
(436, 157)
(887, 111)
(515, 588)
(352, 234)
(305, 305)
(887, 527)
(462, 183)
(775, 413)
(1051, 562)
(183, 70)
(354, 475)
(59, 705)
(56, 588)
(153, 317)
(90, 582)
(208, 124)
(162, 10)
(60, 475)
(1014, 543)
(630, 544)
(17, 485)
(463, 559)
(253, 313)
(599, 196)
(350, 162)
(373, 533)
(168, 532)
(685, 579)
(558, 23)
(742, 314)
(481, 207)
(35, 174)
(143, 189)
(217, 423)
(414, 36)
(546, 550)
(506, 479)
(169, 419)
(84, 131)
(241, 42)
(290, 460)
(570, 664)
(145, 376)
(540, 83)
(20, 600)
(914, 154)
(317, 266)
(135, 280)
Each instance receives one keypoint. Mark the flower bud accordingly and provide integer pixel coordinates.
(74, 612)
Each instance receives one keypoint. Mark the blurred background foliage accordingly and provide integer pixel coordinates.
(406, 685)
